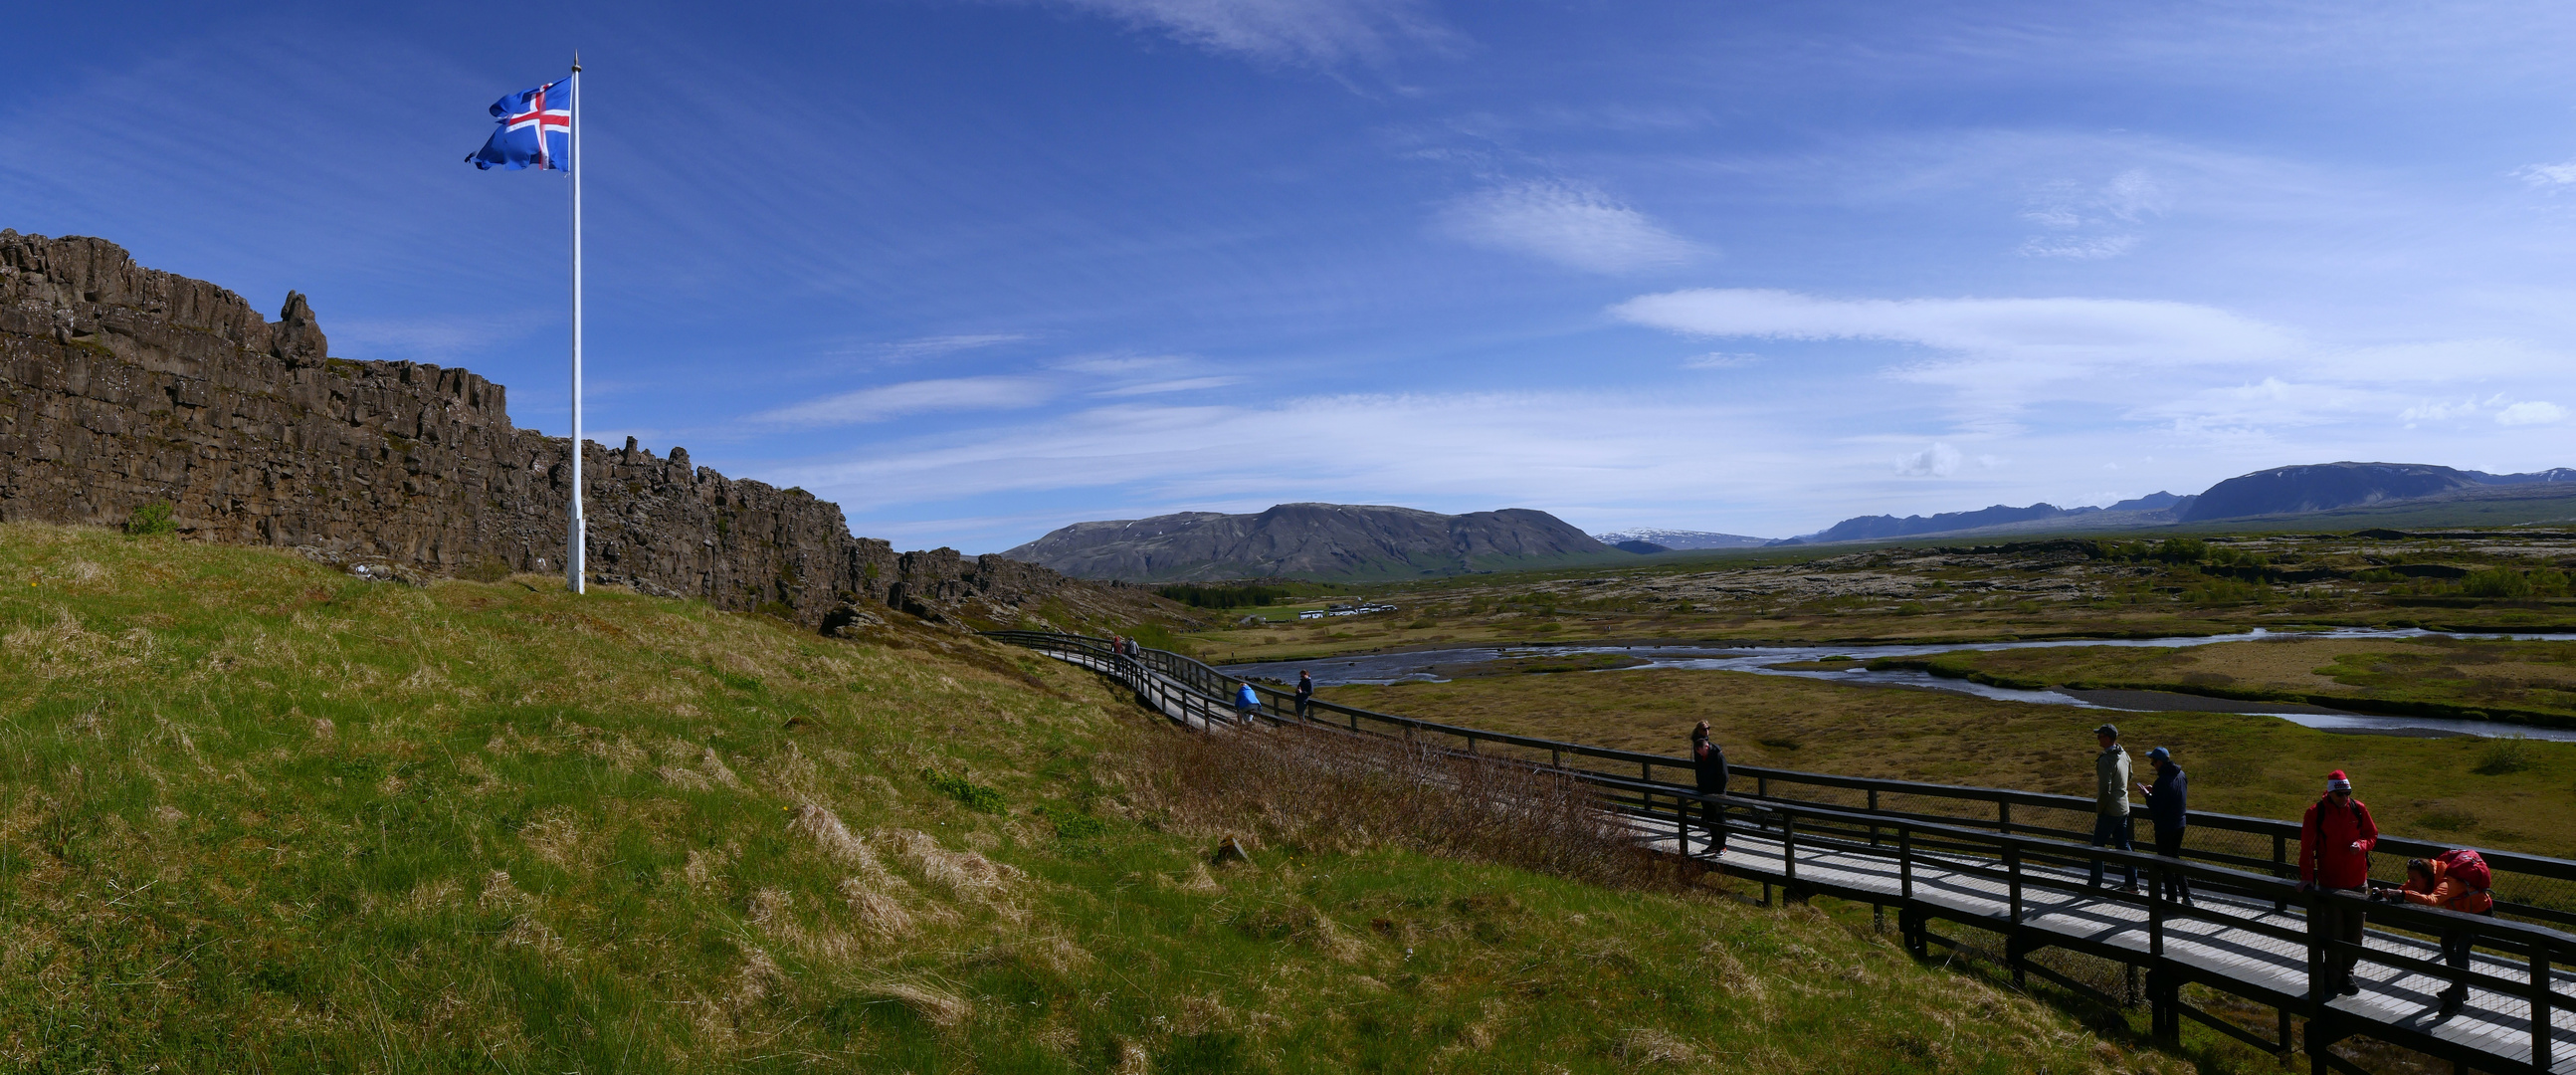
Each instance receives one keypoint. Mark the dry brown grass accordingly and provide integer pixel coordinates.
(1332, 792)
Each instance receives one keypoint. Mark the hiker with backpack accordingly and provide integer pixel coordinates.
(2455, 880)
(2335, 839)
(1246, 700)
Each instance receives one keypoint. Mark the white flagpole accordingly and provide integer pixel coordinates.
(577, 533)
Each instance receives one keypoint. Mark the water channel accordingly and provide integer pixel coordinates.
(1415, 666)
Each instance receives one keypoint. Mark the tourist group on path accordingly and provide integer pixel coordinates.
(2336, 837)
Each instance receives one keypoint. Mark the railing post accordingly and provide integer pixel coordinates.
(1873, 823)
(1904, 861)
(2156, 884)
(2003, 817)
(2540, 1014)
(2280, 865)
(2317, 992)
(1788, 848)
(2012, 870)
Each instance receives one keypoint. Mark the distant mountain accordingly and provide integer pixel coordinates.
(1682, 539)
(1312, 541)
(2326, 486)
(2280, 491)
(1641, 548)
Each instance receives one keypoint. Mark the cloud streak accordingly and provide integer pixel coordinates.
(1567, 224)
(913, 397)
(1317, 33)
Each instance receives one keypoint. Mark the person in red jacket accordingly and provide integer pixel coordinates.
(2455, 880)
(2334, 853)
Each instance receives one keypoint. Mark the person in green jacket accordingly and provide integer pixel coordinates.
(2111, 803)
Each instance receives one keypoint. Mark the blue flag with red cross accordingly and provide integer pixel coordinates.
(536, 130)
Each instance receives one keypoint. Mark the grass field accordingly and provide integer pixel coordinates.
(258, 815)
(2103, 588)
(2517, 795)
(2471, 678)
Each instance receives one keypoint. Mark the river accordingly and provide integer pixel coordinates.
(1414, 666)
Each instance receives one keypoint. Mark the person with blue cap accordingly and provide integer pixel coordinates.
(2169, 807)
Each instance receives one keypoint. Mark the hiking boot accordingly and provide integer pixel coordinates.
(2453, 999)
(2349, 986)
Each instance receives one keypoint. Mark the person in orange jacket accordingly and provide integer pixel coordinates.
(2453, 881)
(2334, 853)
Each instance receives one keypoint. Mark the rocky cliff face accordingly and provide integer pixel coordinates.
(1315, 541)
(122, 386)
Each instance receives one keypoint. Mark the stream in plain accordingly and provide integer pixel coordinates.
(1416, 666)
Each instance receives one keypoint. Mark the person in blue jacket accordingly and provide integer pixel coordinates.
(1246, 701)
(2169, 806)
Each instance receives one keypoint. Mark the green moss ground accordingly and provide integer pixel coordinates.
(257, 815)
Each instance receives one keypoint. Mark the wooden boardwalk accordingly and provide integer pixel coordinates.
(2211, 941)
(2029, 888)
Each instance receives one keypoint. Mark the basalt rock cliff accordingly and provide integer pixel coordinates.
(122, 386)
(1313, 541)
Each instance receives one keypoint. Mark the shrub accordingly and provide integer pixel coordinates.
(1198, 596)
(975, 796)
(2496, 582)
(156, 517)
(1071, 824)
(2507, 754)
(2182, 550)
(1326, 791)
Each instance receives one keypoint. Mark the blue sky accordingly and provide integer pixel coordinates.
(980, 269)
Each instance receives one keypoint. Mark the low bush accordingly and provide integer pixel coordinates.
(157, 517)
(975, 796)
(2508, 754)
(1329, 792)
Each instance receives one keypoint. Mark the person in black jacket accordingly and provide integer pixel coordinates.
(1708, 760)
(1305, 693)
(2169, 806)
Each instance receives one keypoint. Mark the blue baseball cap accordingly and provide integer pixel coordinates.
(2160, 754)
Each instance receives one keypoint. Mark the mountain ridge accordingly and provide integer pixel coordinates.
(2274, 492)
(1311, 540)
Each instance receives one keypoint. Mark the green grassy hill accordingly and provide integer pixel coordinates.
(259, 815)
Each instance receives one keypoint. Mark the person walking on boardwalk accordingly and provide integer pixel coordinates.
(2454, 880)
(2169, 807)
(1246, 700)
(1708, 762)
(2334, 854)
(2111, 803)
(1305, 694)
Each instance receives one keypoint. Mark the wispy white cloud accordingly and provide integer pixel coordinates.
(2091, 222)
(1180, 384)
(1320, 33)
(2530, 413)
(2092, 249)
(2067, 331)
(935, 346)
(913, 397)
(2548, 176)
(1720, 360)
(1938, 461)
(1567, 224)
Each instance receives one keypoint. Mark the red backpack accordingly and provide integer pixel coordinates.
(2465, 864)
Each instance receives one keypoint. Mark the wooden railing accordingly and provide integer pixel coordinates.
(1982, 837)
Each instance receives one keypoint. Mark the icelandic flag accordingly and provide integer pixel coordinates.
(536, 130)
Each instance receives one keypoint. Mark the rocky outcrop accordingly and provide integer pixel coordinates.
(122, 386)
(1312, 541)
